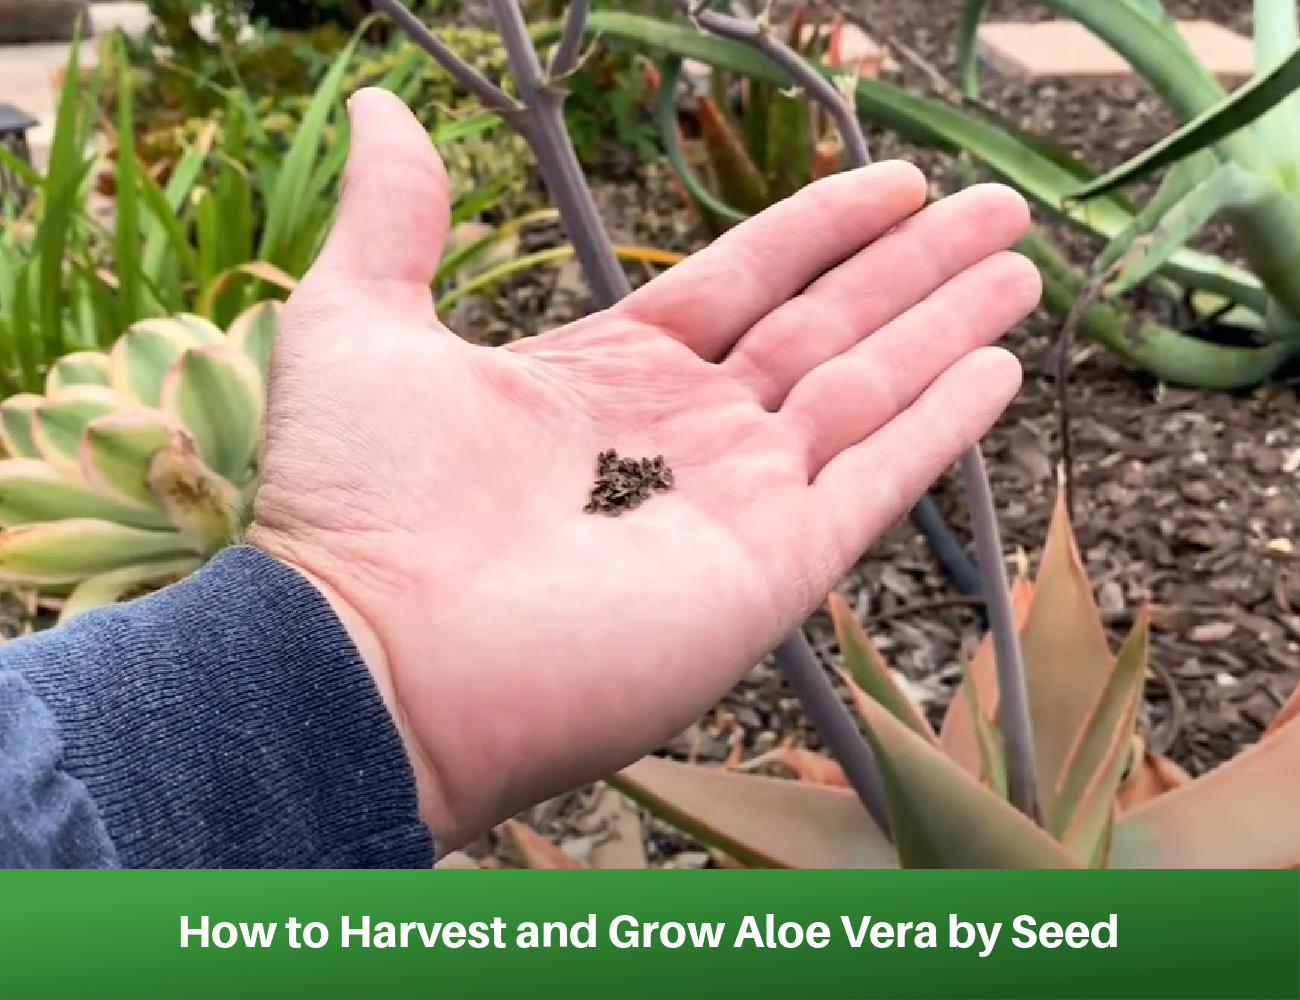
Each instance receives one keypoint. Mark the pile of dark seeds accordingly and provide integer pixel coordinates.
(626, 483)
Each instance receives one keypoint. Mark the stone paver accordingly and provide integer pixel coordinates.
(29, 74)
(1066, 48)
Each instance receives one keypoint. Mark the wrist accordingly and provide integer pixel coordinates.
(372, 654)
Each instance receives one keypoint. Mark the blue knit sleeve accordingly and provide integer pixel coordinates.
(225, 722)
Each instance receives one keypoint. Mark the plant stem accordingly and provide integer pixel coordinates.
(1013, 695)
(566, 53)
(1017, 730)
(492, 96)
(544, 129)
(541, 123)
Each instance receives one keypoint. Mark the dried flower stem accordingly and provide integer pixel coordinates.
(567, 52)
(540, 121)
(1013, 716)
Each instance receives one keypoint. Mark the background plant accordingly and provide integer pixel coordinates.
(135, 465)
(1050, 176)
(235, 215)
(758, 143)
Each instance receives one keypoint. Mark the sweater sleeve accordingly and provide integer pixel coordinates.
(224, 722)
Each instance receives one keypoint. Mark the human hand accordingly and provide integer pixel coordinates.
(806, 377)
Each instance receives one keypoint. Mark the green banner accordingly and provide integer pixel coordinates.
(799, 934)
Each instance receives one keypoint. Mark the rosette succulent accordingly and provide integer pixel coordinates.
(136, 465)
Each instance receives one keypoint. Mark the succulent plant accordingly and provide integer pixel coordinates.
(136, 465)
(758, 143)
(1108, 800)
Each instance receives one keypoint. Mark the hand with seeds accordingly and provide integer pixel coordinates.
(804, 379)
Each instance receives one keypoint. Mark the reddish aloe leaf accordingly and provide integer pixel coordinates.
(957, 736)
(827, 156)
(1085, 798)
(834, 42)
(988, 741)
(1152, 776)
(1067, 658)
(806, 765)
(867, 672)
(1243, 814)
(740, 184)
(535, 850)
(1096, 763)
(942, 817)
(797, 20)
(761, 822)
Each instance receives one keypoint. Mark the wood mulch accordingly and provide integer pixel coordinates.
(1184, 499)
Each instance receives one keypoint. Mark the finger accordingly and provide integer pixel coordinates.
(394, 211)
(876, 285)
(709, 301)
(852, 396)
(865, 489)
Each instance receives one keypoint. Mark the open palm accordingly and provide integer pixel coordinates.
(805, 377)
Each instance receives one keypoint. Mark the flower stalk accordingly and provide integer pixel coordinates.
(538, 116)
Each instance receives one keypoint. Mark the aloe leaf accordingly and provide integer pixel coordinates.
(1276, 34)
(143, 354)
(1227, 188)
(217, 394)
(116, 449)
(1092, 775)
(935, 124)
(78, 368)
(968, 27)
(942, 817)
(32, 491)
(1067, 658)
(868, 671)
(789, 146)
(203, 505)
(17, 424)
(63, 186)
(976, 700)
(253, 332)
(1170, 356)
(62, 552)
(163, 235)
(666, 116)
(1236, 816)
(1229, 116)
(762, 822)
(59, 423)
(1179, 181)
(465, 128)
(739, 180)
(109, 588)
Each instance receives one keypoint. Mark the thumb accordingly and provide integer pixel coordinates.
(394, 209)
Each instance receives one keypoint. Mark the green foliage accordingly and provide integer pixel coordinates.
(757, 142)
(1262, 336)
(237, 215)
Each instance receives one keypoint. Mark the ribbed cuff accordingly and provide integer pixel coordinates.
(229, 722)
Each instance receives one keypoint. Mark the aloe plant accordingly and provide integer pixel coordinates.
(1056, 180)
(1108, 800)
(135, 465)
(1237, 156)
(758, 143)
